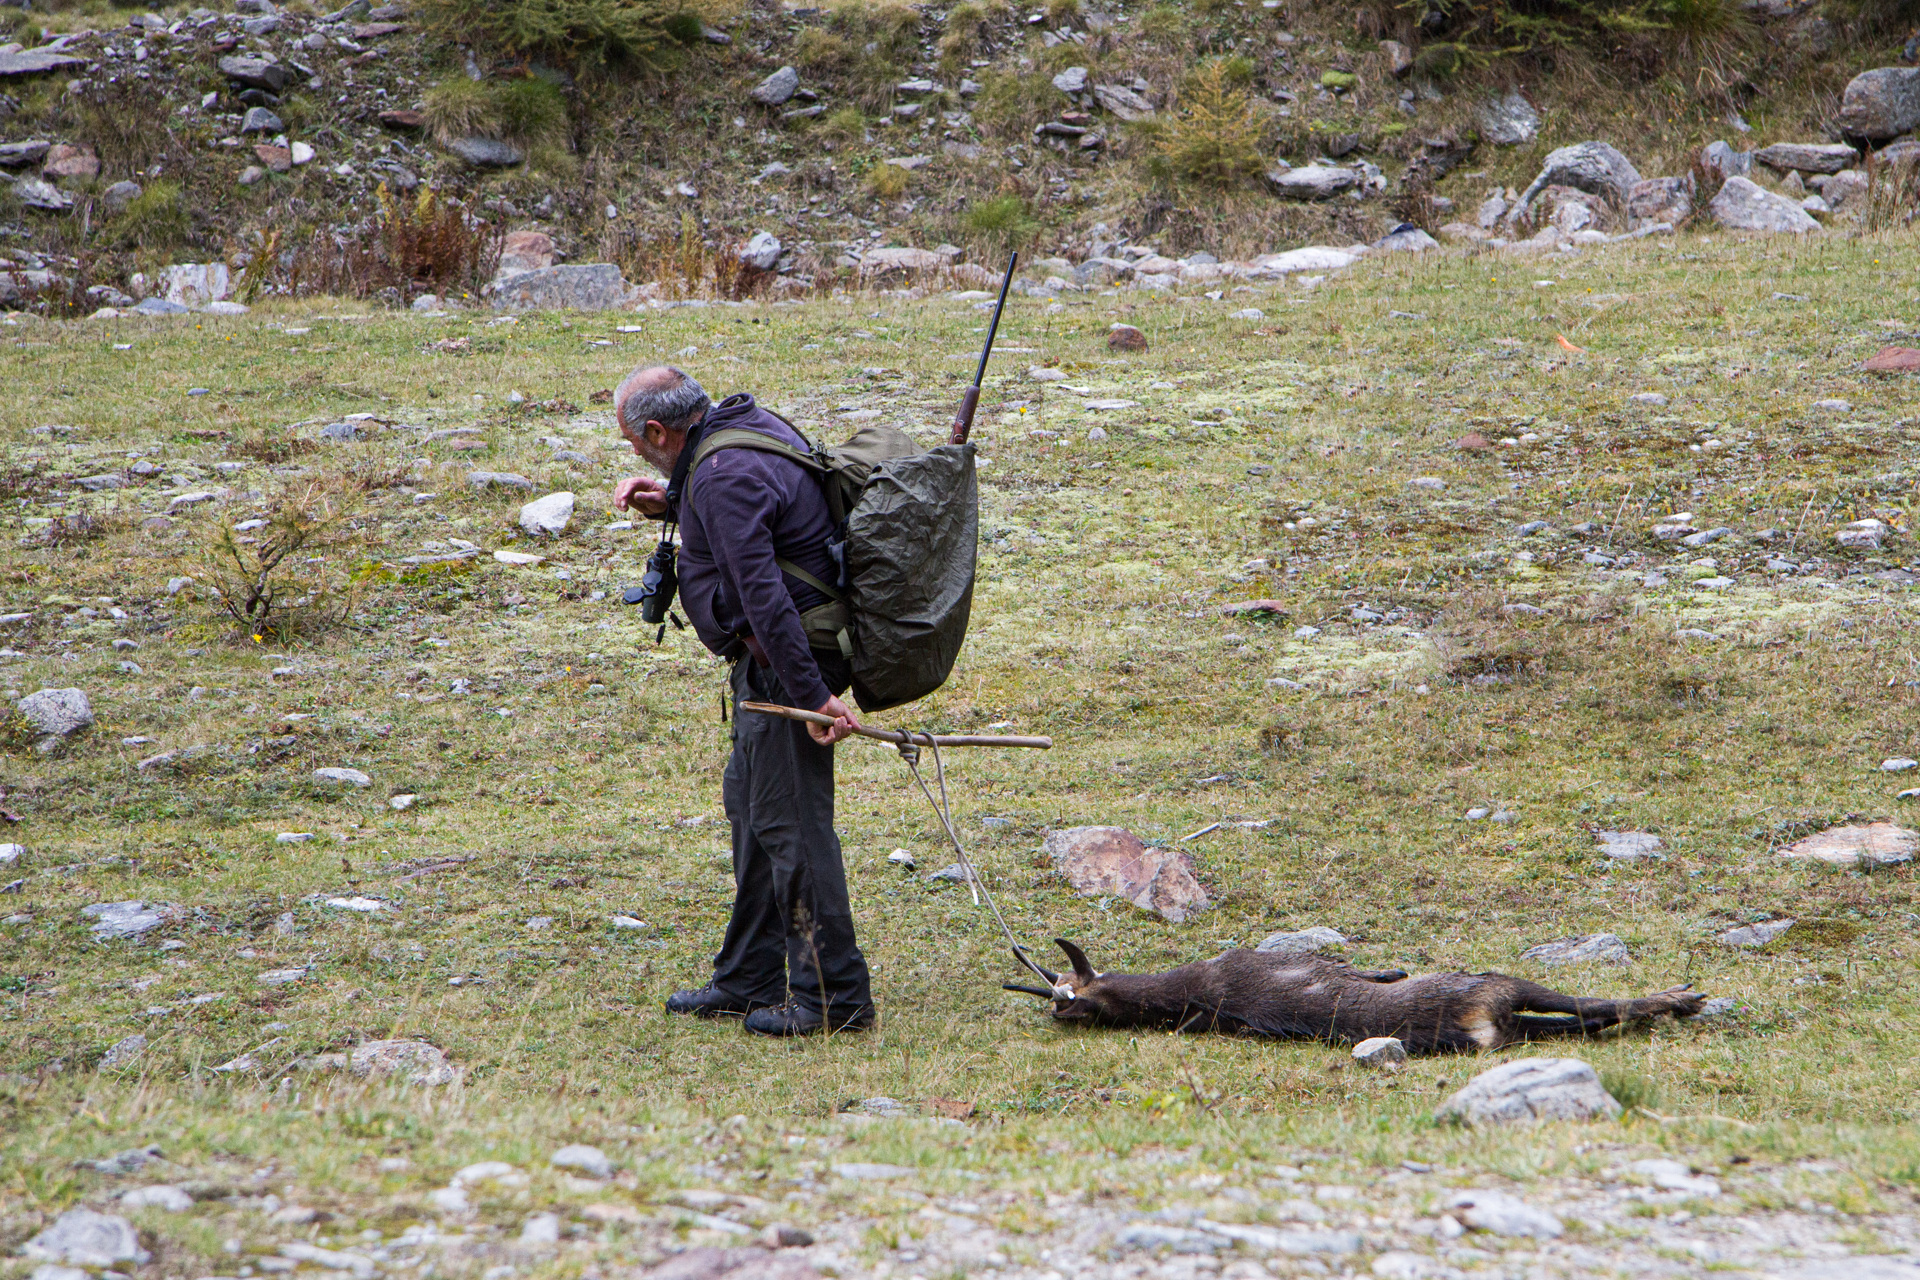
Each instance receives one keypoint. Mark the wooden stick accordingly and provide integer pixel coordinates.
(896, 737)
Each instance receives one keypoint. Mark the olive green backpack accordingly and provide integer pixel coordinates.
(909, 526)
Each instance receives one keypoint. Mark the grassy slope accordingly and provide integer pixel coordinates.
(1099, 624)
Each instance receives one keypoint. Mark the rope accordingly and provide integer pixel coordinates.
(910, 752)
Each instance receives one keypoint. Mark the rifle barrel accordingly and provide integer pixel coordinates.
(896, 737)
(963, 421)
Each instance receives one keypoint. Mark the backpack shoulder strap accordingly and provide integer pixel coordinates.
(747, 438)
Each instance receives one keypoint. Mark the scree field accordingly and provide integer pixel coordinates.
(1446, 474)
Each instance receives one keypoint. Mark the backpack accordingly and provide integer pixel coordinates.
(909, 529)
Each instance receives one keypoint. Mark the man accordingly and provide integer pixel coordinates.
(789, 962)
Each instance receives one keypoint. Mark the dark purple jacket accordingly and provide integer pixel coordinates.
(742, 508)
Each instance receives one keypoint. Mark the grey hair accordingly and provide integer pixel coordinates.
(669, 396)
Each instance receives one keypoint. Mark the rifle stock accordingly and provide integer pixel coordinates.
(963, 420)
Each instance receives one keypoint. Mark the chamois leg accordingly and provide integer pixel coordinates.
(1594, 1015)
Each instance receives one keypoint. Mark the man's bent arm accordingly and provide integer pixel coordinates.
(738, 515)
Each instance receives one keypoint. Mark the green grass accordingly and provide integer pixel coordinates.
(1098, 621)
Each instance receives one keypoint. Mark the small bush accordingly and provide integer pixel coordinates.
(887, 181)
(283, 584)
(423, 245)
(567, 31)
(1163, 25)
(527, 109)
(845, 123)
(819, 50)
(965, 35)
(1009, 104)
(1002, 223)
(1215, 138)
(156, 219)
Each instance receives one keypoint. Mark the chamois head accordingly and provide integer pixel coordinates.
(1074, 996)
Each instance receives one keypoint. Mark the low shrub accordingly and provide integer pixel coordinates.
(575, 32)
(154, 220)
(1214, 139)
(281, 583)
(529, 110)
(887, 181)
(1002, 223)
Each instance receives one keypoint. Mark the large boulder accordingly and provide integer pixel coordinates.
(1112, 860)
(777, 89)
(1883, 103)
(1507, 122)
(586, 286)
(57, 713)
(33, 62)
(1529, 1091)
(762, 251)
(1807, 157)
(902, 258)
(84, 1238)
(486, 153)
(549, 515)
(1655, 200)
(1743, 205)
(1122, 101)
(1570, 209)
(195, 284)
(524, 251)
(1589, 166)
(1875, 844)
(414, 1061)
(1313, 182)
(1725, 161)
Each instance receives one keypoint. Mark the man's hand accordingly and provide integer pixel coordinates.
(843, 722)
(644, 494)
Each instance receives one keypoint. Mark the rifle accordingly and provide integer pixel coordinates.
(963, 420)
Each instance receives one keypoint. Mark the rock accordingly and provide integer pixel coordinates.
(588, 1160)
(762, 252)
(404, 119)
(83, 1238)
(37, 193)
(1124, 337)
(1434, 483)
(132, 1160)
(588, 286)
(345, 777)
(1655, 200)
(1727, 162)
(416, 1061)
(1752, 937)
(1842, 191)
(1875, 844)
(777, 88)
(1112, 860)
(124, 919)
(248, 176)
(1405, 238)
(1863, 535)
(1671, 1175)
(1807, 157)
(123, 1052)
(1380, 1052)
(1503, 1215)
(486, 153)
(1311, 258)
(264, 25)
(1594, 948)
(11, 854)
(161, 1196)
(17, 155)
(549, 515)
(1399, 57)
(1245, 313)
(65, 160)
(1742, 205)
(117, 197)
(195, 284)
(402, 802)
(1588, 166)
(872, 1172)
(1896, 764)
(57, 714)
(524, 251)
(498, 479)
(1507, 122)
(1531, 1090)
(1629, 846)
(261, 120)
(540, 1228)
(1313, 182)
(902, 258)
(521, 558)
(1072, 80)
(1123, 102)
(1304, 942)
(256, 73)
(1882, 103)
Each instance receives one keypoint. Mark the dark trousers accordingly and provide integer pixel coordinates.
(792, 928)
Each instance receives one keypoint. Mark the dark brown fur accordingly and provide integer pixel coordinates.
(1304, 997)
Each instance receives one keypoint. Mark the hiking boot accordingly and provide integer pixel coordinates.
(792, 1019)
(710, 1002)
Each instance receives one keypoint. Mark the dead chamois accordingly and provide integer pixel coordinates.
(1306, 997)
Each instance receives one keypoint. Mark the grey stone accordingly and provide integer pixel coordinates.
(1725, 161)
(1743, 205)
(498, 479)
(161, 1196)
(1874, 844)
(1717, 1007)
(261, 120)
(548, 516)
(1380, 1051)
(586, 286)
(415, 1061)
(1304, 942)
(1313, 182)
(341, 432)
(540, 1228)
(1112, 860)
(861, 1172)
(57, 713)
(588, 1160)
(1587, 166)
(124, 1052)
(1807, 157)
(123, 919)
(762, 251)
(38, 193)
(1405, 238)
(1671, 1175)
(1862, 535)
(1751, 937)
(161, 307)
(118, 196)
(264, 25)
(16, 155)
(343, 776)
(1630, 846)
(132, 1160)
(1155, 1235)
(33, 62)
(257, 73)
(1504, 1215)
(1507, 122)
(84, 1238)
(1072, 80)
(486, 153)
(1594, 948)
(777, 88)
(1530, 1090)
(1656, 200)
(1882, 103)
(109, 480)
(1122, 101)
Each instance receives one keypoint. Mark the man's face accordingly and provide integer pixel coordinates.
(653, 442)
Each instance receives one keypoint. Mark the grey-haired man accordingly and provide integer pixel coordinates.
(789, 961)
